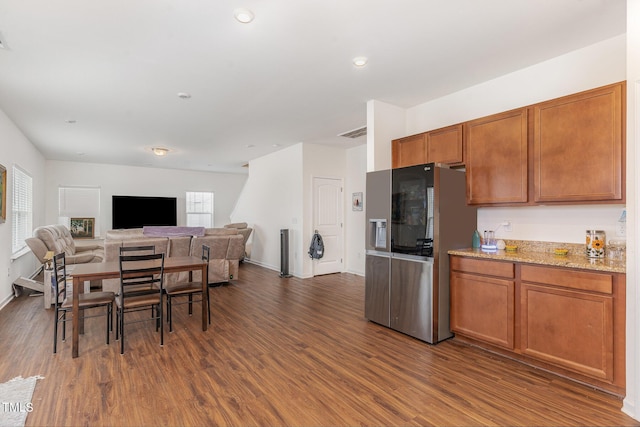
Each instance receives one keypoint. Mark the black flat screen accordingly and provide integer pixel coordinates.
(137, 211)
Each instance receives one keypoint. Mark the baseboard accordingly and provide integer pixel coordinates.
(6, 301)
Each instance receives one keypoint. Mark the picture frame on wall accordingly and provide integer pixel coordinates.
(82, 228)
(3, 194)
(357, 201)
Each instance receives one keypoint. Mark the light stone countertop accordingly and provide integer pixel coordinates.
(543, 253)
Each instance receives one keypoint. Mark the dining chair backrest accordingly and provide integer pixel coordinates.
(206, 251)
(59, 277)
(137, 250)
(141, 271)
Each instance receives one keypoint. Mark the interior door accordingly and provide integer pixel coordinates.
(327, 219)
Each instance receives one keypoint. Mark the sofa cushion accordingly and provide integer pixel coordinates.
(236, 225)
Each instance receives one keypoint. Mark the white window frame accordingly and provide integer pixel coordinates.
(21, 209)
(197, 206)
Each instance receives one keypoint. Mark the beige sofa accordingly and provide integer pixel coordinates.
(57, 238)
(243, 229)
(226, 251)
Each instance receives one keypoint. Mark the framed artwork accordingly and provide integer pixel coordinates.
(356, 203)
(82, 228)
(3, 194)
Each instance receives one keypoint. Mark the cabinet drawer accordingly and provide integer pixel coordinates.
(481, 266)
(574, 279)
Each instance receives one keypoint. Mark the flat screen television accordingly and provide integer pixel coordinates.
(138, 211)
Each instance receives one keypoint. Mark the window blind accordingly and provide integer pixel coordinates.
(199, 209)
(22, 209)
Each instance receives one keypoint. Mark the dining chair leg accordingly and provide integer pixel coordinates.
(169, 313)
(121, 327)
(190, 304)
(64, 326)
(209, 304)
(107, 321)
(55, 333)
(161, 324)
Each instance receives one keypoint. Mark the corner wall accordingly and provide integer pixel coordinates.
(17, 150)
(631, 404)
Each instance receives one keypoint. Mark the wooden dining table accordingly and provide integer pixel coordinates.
(111, 270)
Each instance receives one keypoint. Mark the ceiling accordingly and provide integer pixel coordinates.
(114, 68)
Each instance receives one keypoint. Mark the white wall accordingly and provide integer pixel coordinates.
(596, 65)
(140, 181)
(632, 401)
(385, 122)
(355, 221)
(17, 150)
(271, 201)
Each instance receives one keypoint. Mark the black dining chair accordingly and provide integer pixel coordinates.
(141, 288)
(188, 289)
(63, 301)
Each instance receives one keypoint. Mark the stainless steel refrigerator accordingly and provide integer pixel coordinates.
(415, 215)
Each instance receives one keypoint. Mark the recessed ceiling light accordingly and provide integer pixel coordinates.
(360, 61)
(71, 121)
(243, 15)
(184, 95)
(276, 145)
(159, 151)
(250, 146)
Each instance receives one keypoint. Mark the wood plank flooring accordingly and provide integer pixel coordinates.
(282, 352)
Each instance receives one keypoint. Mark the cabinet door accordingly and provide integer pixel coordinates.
(483, 308)
(571, 329)
(409, 151)
(497, 158)
(579, 147)
(445, 145)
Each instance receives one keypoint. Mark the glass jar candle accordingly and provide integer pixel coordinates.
(595, 243)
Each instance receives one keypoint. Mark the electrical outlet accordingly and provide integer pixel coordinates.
(621, 228)
(506, 225)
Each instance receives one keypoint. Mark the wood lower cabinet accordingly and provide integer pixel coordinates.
(497, 158)
(482, 305)
(579, 148)
(564, 320)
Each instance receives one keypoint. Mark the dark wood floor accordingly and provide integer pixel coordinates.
(283, 352)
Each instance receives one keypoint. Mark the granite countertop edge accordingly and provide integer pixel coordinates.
(572, 260)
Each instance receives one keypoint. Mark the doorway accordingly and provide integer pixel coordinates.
(328, 221)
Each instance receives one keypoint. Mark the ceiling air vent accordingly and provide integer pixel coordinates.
(356, 133)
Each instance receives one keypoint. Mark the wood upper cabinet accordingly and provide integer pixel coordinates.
(445, 145)
(437, 146)
(578, 147)
(408, 151)
(497, 158)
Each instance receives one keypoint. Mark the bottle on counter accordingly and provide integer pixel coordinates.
(475, 240)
